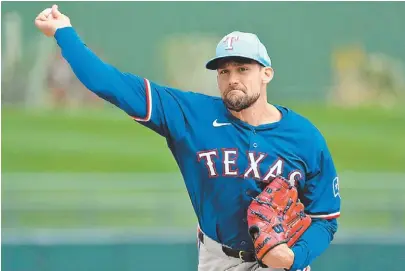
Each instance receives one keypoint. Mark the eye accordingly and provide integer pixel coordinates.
(242, 69)
(223, 72)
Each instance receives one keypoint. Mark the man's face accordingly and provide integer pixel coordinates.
(240, 82)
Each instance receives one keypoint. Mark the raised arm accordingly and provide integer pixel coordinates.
(145, 101)
(127, 91)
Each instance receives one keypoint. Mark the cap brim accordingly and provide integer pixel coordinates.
(213, 63)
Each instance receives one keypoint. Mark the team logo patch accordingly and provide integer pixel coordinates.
(336, 187)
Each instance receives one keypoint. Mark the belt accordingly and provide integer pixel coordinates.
(245, 256)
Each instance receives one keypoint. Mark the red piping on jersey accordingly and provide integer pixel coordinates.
(148, 102)
(328, 216)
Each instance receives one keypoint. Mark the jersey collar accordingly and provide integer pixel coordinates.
(284, 115)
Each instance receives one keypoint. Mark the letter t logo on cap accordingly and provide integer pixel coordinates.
(229, 41)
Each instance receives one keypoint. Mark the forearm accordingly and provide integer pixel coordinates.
(124, 90)
(313, 242)
(87, 66)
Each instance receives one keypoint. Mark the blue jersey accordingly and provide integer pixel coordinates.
(223, 160)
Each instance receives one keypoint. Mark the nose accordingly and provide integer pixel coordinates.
(233, 79)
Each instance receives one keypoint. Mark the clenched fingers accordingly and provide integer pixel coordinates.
(43, 16)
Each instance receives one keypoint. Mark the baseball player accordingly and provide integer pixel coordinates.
(260, 177)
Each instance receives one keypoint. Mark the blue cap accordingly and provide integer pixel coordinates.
(240, 44)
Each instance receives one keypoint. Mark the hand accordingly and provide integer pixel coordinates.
(50, 20)
(280, 256)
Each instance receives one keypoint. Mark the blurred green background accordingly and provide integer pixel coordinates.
(83, 185)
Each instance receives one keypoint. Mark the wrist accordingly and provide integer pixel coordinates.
(61, 27)
(290, 259)
(279, 257)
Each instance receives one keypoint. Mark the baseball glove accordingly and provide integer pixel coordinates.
(276, 216)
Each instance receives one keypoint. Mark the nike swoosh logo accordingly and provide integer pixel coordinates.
(218, 124)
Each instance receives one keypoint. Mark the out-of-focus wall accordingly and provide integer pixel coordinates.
(316, 48)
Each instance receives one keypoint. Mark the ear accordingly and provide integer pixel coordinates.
(268, 74)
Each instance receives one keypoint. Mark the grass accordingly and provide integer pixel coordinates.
(107, 200)
(81, 142)
(365, 139)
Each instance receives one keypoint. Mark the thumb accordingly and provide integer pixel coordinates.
(55, 12)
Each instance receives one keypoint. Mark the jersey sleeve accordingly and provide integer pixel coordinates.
(320, 195)
(157, 107)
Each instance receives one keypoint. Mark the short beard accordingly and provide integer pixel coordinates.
(241, 103)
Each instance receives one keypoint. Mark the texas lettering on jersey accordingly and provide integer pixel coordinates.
(228, 162)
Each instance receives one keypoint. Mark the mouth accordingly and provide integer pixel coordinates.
(234, 90)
